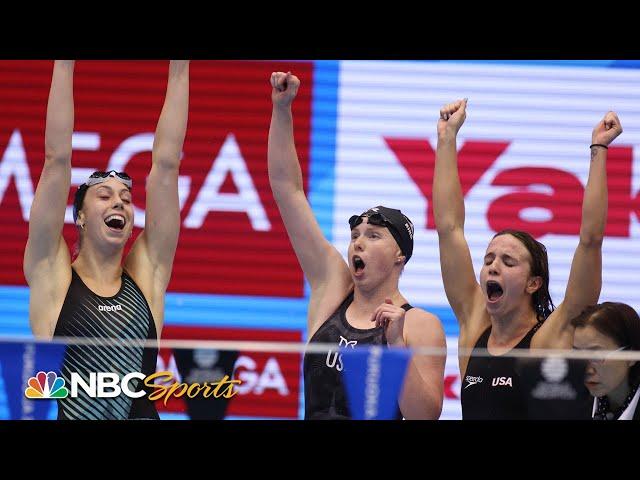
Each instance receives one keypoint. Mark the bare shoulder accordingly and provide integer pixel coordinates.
(152, 285)
(555, 332)
(471, 331)
(423, 328)
(49, 282)
(138, 265)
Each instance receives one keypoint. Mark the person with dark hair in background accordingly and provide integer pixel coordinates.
(356, 302)
(511, 307)
(614, 383)
(97, 296)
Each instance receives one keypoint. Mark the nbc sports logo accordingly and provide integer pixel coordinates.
(46, 385)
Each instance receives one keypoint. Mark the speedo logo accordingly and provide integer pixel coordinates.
(472, 380)
(109, 308)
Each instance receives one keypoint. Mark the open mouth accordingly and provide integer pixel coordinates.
(117, 222)
(358, 264)
(494, 290)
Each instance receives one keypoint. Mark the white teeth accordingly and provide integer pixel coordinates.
(118, 217)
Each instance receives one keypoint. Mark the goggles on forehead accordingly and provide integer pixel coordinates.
(374, 219)
(100, 177)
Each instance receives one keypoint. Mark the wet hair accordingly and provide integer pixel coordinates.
(78, 200)
(619, 322)
(541, 298)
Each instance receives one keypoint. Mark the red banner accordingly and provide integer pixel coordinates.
(232, 240)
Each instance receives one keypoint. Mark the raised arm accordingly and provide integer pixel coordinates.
(155, 248)
(46, 258)
(585, 277)
(461, 287)
(319, 260)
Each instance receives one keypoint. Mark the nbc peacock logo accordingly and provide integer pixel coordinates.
(46, 385)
